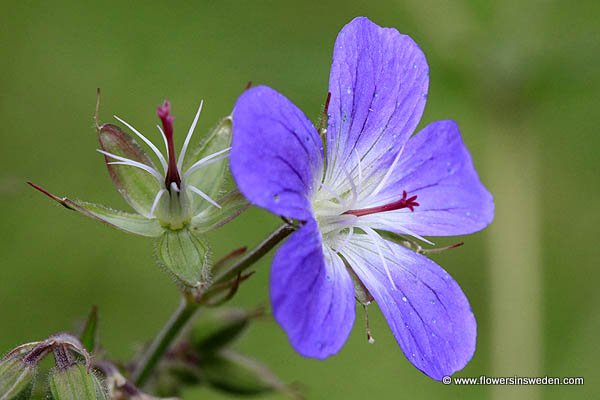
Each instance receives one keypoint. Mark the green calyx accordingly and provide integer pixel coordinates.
(16, 378)
(75, 382)
(185, 256)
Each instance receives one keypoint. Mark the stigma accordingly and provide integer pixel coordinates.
(172, 177)
(404, 202)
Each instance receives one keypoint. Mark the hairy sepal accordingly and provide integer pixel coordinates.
(75, 383)
(185, 256)
(232, 205)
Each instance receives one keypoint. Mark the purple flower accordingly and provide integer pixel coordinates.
(373, 177)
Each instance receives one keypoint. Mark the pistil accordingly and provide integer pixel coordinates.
(404, 202)
(172, 176)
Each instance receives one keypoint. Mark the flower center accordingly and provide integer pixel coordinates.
(404, 202)
(172, 176)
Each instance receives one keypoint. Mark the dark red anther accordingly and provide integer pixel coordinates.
(404, 202)
(164, 113)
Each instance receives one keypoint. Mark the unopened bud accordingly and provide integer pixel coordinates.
(16, 378)
(235, 373)
(75, 382)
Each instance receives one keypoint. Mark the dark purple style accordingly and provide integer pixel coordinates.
(372, 177)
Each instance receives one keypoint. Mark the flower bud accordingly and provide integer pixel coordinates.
(75, 382)
(235, 373)
(16, 378)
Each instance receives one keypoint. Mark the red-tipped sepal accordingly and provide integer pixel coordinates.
(132, 223)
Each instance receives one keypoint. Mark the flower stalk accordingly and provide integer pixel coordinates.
(184, 312)
(189, 306)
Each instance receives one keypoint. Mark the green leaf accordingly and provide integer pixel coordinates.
(16, 379)
(75, 383)
(234, 373)
(217, 328)
(90, 331)
(131, 223)
(210, 178)
(232, 205)
(138, 187)
(185, 256)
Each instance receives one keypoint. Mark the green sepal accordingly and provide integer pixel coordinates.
(185, 256)
(89, 334)
(210, 178)
(101, 392)
(217, 328)
(361, 293)
(75, 383)
(16, 379)
(232, 205)
(131, 223)
(137, 186)
(237, 374)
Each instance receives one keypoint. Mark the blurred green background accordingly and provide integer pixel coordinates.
(520, 77)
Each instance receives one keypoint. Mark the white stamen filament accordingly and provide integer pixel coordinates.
(161, 158)
(132, 163)
(204, 161)
(407, 231)
(346, 239)
(376, 238)
(155, 202)
(333, 193)
(203, 195)
(353, 189)
(164, 138)
(388, 173)
(188, 137)
(332, 223)
(359, 167)
(173, 187)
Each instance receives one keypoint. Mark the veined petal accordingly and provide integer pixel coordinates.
(137, 186)
(436, 167)
(378, 83)
(277, 155)
(132, 223)
(427, 311)
(312, 294)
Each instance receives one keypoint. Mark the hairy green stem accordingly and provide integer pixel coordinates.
(188, 307)
(255, 254)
